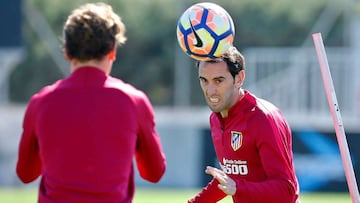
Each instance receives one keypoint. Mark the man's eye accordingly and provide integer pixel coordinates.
(218, 81)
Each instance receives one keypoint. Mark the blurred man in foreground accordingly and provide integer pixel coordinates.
(81, 133)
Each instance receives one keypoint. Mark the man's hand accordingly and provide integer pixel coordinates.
(227, 185)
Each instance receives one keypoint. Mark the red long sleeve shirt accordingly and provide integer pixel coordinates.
(81, 134)
(253, 145)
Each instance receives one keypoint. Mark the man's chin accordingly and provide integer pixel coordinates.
(214, 109)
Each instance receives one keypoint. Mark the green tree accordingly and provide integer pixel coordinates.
(147, 59)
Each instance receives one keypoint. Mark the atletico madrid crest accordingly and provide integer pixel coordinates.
(236, 140)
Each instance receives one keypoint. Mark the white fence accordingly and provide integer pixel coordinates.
(291, 79)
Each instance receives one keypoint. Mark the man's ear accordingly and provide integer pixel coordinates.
(241, 77)
(242, 73)
(112, 54)
(66, 55)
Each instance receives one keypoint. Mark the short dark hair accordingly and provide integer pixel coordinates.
(234, 59)
(92, 31)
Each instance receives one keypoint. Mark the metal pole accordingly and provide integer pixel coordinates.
(335, 112)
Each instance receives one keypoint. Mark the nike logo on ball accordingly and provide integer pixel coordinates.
(199, 42)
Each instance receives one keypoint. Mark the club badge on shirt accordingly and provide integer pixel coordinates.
(236, 140)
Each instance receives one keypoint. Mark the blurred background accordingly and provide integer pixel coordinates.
(282, 67)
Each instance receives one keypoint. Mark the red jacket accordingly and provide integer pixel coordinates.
(81, 135)
(253, 146)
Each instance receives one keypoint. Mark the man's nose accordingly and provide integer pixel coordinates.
(211, 89)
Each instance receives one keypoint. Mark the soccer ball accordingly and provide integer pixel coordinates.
(205, 31)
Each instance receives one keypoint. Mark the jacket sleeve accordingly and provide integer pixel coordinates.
(274, 145)
(28, 166)
(209, 194)
(150, 158)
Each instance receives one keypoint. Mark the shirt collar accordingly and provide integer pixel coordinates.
(88, 75)
(245, 103)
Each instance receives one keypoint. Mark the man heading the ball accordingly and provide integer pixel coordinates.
(251, 137)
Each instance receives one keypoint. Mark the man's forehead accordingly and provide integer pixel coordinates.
(213, 69)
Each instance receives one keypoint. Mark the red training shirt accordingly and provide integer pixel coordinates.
(81, 135)
(254, 147)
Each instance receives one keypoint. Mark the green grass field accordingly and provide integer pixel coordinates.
(147, 195)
